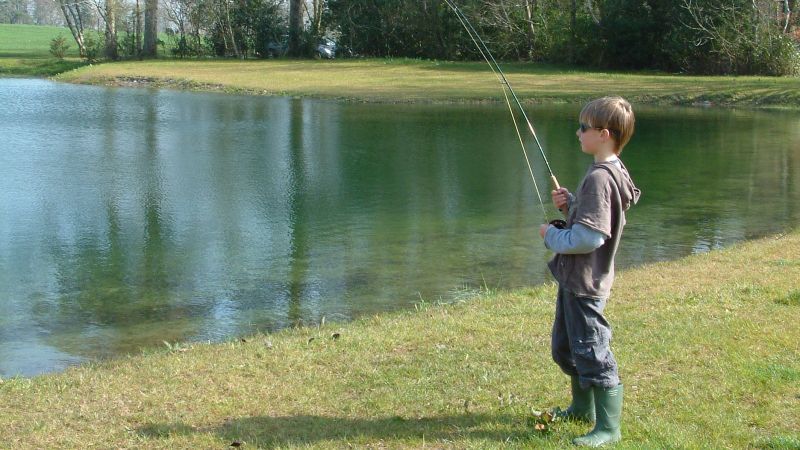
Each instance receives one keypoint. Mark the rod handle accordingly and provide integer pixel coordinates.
(556, 187)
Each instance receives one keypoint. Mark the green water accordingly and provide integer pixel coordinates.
(133, 217)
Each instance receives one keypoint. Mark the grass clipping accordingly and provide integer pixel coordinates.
(707, 345)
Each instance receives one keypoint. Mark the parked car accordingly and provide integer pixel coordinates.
(326, 49)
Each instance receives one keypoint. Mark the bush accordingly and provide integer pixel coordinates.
(94, 44)
(741, 38)
(778, 56)
(59, 46)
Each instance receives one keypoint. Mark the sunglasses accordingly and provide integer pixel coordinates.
(584, 128)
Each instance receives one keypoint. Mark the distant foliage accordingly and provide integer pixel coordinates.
(695, 36)
(409, 28)
(736, 37)
(635, 33)
(690, 36)
(15, 11)
(59, 46)
(259, 24)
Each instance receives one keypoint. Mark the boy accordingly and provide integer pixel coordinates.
(584, 268)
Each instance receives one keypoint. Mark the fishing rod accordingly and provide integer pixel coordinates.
(483, 49)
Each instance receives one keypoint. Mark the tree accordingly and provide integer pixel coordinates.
(414, 28)
(137, 29)
(316, 16)
(108, 12)
(150, 45)
(739, 37)
(226, 12)
(74, 15)
(179, 13)
(260, 24)
(223, 37)
(111, 29)
(634, 31)
(295, 26)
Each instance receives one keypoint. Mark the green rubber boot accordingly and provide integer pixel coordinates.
(608, 403)
(582, 406)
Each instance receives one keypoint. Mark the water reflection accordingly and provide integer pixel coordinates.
(132, 217)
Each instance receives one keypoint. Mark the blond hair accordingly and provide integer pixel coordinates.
(614, 114)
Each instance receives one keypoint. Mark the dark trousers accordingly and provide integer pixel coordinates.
(581, 340)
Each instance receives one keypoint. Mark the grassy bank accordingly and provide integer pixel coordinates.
(25, 51)
(430, 81)
(708, 347)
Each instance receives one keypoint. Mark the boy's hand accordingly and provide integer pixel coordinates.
(543, 229)
(560, 198)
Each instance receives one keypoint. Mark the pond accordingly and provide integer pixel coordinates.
(131, 217)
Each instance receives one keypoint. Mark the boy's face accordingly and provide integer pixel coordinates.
(594, 140)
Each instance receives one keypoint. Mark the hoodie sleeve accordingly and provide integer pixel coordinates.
(572, 241)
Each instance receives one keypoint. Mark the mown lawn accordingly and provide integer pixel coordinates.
(25, 51)
(403, 80)
(709, 348)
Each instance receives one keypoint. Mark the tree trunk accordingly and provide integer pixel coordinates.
(530, 7)
(137, 32)
(591, 8)
(150, 28)
(787, 11)
(111, 30)
(295, 26)
(74, 23)
(573, 31)
(230, 30)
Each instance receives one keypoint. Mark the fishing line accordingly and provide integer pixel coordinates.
(495, 66)
(510, 108)
(483, 49)
(524, 152)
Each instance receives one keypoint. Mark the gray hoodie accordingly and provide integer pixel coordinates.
(603, 196)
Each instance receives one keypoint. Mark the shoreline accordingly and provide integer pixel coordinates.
(190, 86)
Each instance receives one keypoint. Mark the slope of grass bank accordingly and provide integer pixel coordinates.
(25, 51)
(708, 347)
(386, 80)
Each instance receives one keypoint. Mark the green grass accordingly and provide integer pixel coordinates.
(25, 51)
(32, 41)
(403, 80)
(708, 357)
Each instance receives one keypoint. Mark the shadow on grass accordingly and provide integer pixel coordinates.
(270, 432)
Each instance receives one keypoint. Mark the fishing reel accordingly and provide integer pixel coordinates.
(559, 223)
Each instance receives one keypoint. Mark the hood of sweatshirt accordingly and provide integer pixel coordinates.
(628, 192)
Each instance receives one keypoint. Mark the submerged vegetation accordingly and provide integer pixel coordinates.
(708, 350)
